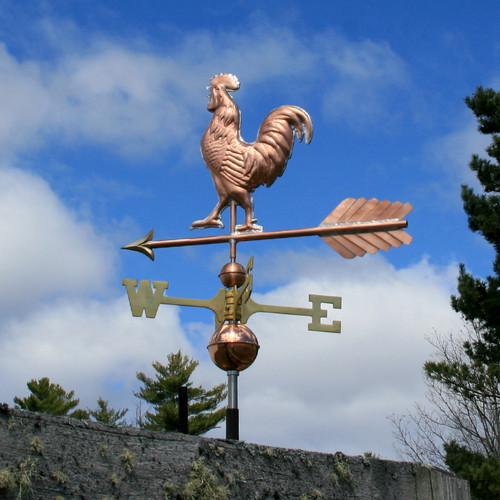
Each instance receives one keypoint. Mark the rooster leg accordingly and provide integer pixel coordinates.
(214, 219)
(245, 200)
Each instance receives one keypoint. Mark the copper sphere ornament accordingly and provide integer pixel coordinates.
(232, 274)
(233, 347)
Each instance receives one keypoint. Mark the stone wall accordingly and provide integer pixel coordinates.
(47, 457)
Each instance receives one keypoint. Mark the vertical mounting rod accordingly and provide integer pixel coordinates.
(232, 242)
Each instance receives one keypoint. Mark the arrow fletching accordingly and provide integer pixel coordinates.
(352, 211)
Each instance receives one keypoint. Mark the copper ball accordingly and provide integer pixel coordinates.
(232, 274)
(233, 347)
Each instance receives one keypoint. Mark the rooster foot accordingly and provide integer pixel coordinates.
(205, 223)
(247, 228)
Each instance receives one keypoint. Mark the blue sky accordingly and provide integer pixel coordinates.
(103, 107)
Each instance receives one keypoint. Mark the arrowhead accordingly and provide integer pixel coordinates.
(142, 245)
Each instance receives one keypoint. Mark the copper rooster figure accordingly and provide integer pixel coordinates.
(237, 167)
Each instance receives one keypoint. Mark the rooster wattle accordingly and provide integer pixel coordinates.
(237, 167)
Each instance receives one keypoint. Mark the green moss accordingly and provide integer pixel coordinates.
(316, 494)
(20, 479)
(268, 452)
(24, 476)
(59, 476)
(202, 484)
(169, 490)
(113, 479)
(36, 445)
(341, 470)
(102, 449)
(127, 460)
(7, 480)
(238, 475)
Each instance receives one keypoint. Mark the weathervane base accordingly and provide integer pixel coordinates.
(232, 423)
(232, 412)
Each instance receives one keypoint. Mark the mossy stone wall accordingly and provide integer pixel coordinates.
(47, 457)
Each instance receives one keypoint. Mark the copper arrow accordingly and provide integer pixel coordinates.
(351, 230)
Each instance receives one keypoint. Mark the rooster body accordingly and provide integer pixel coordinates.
(237, 167)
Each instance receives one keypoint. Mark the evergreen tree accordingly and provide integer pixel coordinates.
(479, 300)
(50, 398)
(475, 380)
(462, 426)
(483, 473)
(163, 394)
(105, 414)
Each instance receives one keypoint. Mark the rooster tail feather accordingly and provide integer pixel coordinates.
(293, 116)
(275, 140)
(288, 116)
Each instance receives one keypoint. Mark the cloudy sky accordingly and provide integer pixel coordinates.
(103, 107)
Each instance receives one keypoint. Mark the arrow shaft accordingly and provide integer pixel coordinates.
(337, 229)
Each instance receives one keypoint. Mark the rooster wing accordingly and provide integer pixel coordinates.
(251, 165)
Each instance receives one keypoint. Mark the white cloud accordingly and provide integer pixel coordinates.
(94, 348)
(53, 264)
(25, 103)
(133, 101)
(46, 250)
(365, 77)
(139, 101)
(454, 151)
(365, 60)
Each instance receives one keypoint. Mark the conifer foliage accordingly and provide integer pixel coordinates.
(103, 413)
(474, 380)
(461, 426)
(47, 397)
(162, 393)
(482, 472)
(479, 300)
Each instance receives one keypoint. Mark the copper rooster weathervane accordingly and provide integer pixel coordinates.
(353, 228)
(238, 168)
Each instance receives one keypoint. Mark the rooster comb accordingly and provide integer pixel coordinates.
(227, 80)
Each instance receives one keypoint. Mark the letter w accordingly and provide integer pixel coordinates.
(143, 299)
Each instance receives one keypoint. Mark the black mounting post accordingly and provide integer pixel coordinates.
(183, 410)
(232, 412)
(232, 423)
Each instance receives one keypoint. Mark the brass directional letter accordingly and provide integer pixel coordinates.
(317, 313)
(250, 307)
(143, 299)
